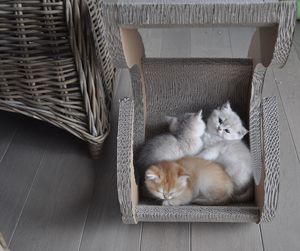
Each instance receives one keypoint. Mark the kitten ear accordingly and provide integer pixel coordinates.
(243, 132)
(151, 175)
(173, 122)
(226, 106)
(171, 119)
(199, 114)
(183, 179)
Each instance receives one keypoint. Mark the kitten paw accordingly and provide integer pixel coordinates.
(170, 203)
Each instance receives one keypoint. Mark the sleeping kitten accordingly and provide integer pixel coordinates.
(223, 144)
(185, 140)
(187, 180)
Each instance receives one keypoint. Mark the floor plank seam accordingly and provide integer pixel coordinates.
(26, 199)
(286, 117)
(85, 223)
(12, 137)
(87, 215)
(261, 237)
(141, 235)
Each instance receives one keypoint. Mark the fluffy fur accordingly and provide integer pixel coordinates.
(223, 144)
(184, 140)
(187, 180)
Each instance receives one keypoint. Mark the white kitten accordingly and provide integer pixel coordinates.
(223, 144)
(184, 140)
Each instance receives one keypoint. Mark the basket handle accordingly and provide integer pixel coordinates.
(271, 161)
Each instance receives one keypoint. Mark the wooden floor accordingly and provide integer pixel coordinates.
(54, 197)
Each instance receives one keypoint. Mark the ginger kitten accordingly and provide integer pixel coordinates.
(189, 180)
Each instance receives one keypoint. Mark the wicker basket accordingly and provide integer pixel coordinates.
(55, 66)
(173, 86)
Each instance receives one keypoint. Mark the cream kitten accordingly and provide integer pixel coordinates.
(187, 180)
(185, 140)
(223, 144)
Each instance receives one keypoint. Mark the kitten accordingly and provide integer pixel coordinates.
(187, 180)
(223, 144)
(185, 140)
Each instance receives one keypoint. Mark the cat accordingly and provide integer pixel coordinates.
(184, 140)
(223, 144)
(189, 180)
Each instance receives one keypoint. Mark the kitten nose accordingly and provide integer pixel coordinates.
(219, 128)
(167, 197)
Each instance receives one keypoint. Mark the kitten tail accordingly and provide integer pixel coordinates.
(246, 196)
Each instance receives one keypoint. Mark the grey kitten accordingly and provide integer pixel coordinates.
(223, 144)
(185, 139)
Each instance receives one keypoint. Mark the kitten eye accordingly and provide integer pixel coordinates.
(220, 121)
(226, 130)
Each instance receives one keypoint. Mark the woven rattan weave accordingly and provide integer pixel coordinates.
(55, 66)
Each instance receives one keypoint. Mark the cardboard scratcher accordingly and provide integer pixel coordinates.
(172, 86)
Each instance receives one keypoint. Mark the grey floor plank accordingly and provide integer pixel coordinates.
(8, 128)
(104, 229)
(56, 209)
(297, 38)
(165, 236)
(283, 232)
(210, 42)
(240, 39)
(287, 80)
(221, 236)
(176, 42)
(17, 171)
